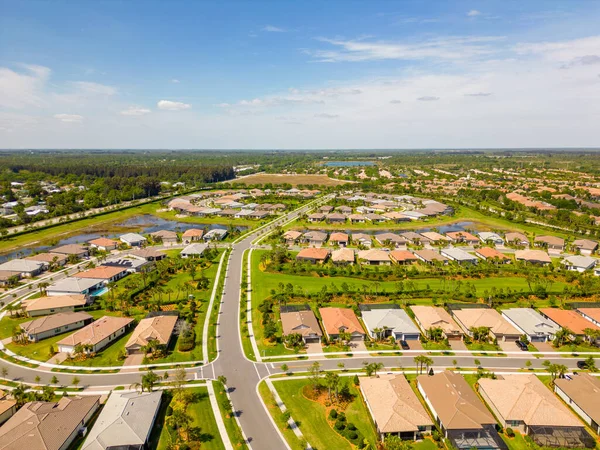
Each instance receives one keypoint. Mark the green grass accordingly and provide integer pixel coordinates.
(277, 416)
(311, 416)
(233, 430)
(39, 351)
(584, 347)
(8, 324)
(202, 416)
(109, 356)
(425, 444)
(516, 443)
(430, 345)
(483, 346)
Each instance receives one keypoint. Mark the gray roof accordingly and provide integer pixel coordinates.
(126, 262)
(53, 321)
(194, 249)
(457, 254)
(394, 319)
(530, 321)
(488, 235)
(132, 237)
(21, 266)
(71, 284)
(584, 262)
(126, 419)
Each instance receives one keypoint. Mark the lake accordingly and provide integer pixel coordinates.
(145, 223)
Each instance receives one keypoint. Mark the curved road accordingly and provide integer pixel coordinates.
(244, 375)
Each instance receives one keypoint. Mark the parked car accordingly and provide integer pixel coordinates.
(522, 345)
(404, 345)
(582, 365)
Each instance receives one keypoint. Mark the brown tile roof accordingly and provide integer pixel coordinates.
(435, 317)
(568, 319)
(430, 255)
(158, 328)
(532, 256)
(70, 249)
(515, 236)
(456, 404)
(319, 254)
(96, 331)
(48, 257)
(338, 237)
(301, 322)
(103, 242)
(164, 234)
(402, 255)
(336, 318)
(45, 425)
(343, 255)
(58, 301)
(490, 253)
(101, 272)
(393, 403)
(147, 253)
(525, 398)
(550, 240)
(292, 234)
(193, 232)
(585, 244)
(485, 317)
(374, 255)
(462, 235)
(584, 390)
(53, 321)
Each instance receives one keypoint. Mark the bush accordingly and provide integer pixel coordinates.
(339, 425)
(356, 382)
(510, 432)
(342, 417)
(352, 435)
(351, 426)
(333, 414)
(169, 410)
(436, 435)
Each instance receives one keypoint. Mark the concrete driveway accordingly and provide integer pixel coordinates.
(508, 346)
(544, 346)
(358, 346)
(457, 345)
(313, 348)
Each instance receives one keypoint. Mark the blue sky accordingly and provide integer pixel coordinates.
(282, 74)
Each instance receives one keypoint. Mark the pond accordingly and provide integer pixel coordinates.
(458, 226)
(348, 163)
(145, 223)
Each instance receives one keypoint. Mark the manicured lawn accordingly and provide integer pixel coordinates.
(425, 444)
(202, 416)
(430, 345)
(277, 415)
(233, 429)
(109, 356)
(483, 346)
(516, 443)
(39, 350)
(578, 348)
(312, 420)
(8, 324)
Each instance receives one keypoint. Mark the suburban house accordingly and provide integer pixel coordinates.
(500, 328)
(22, 267)
(568, 319)
(49, 259)
(436, 238)
(133, 239)
(43, 306)
(357, 218)
(106, 274)
(337, 320)
(344, 209)
(384, 322)
(193, 250)
(73, 285)
(394, 216)
(394, 407)
(76, 250)
(582, 393)
(313, 255)
(54, 324)
(48, 425)
(7, 407)
(458, 255)
(428, 317)
(585, 246)
(158, 328)
(415, 238)
(316, 217)
(374, 257)
(167, 237)
(335, 217)
(314, 238)
(342, 256)
(339, 239)
(525, 404)
(517, 239)
(326, 209)
(129, 263)
(192, 235)
(529, 322)
(149, 254)
(533, 256)
(462, 417)
(303, 323)
(430, 256)
(390, 239)
(126, 421)
(462, 237)
(491, 237)
(402, 257)
(104, 244)
(579, 263)
(491, 254)
(362, 239)
(98, 334)
(291, 237)
(550, 242)
(591, 314)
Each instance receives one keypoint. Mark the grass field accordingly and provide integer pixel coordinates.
(275, 412)
(231, 425)
(311, 416)
(202, 417)
(294, 180)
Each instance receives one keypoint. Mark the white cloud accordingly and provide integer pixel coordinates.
(449, 48)
(561, 51)
(474, 13)
(19, 90)
(87, 87)
(69, 118)
(327, 116)
(168, 105)
(135, 111)
(273, 29)
(175, 80)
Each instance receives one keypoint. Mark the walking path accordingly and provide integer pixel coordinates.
(218, 417)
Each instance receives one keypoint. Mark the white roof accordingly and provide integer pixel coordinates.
(194, 249)
(21, 265)
(489, 236)
(132, 237)
(394, 319)
(457, 254)
(530, 321)
(585, 262)
(76, 285)
(126, 419)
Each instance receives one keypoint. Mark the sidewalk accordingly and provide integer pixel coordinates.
(292, 424)
(218, 416)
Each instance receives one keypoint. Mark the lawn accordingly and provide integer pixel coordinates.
(284, 178)
(109, 356)
(8, 324)
(202, 416)
(483, 346)
(311, 416)
(39, 351)
(231, 425)
(425, 444)
(277, 416)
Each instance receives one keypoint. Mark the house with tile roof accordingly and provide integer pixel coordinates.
(304, 323)
(98, 334)
(107, 274)
(390, 322)
(59, 323)
(313, 255)
(582, 393)
(158, 328)
(104, 244)
(499, 327)
(336, 320)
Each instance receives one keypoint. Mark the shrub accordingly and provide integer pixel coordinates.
(351, 426)
(436, 435)
(356, 382)
(333, 414)
(352, 435)
(339, 425)
(510, 432)
(169, 410)
(342, 417)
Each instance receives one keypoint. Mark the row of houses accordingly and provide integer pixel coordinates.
(382, 321)
(520, 401)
